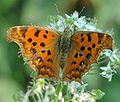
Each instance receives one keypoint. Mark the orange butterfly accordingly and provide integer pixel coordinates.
(47, 51)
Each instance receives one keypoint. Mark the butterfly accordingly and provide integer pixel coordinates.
(47, 51)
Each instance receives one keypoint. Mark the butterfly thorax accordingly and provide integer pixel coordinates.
(64, 48)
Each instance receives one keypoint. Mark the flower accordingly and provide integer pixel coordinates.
(84, 97)
(97, 93)
(50, 89)
(113, 55)
(108, 72)
(40, 84)
(76, 98)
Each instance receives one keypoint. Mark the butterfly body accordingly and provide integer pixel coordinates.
(47, 51)
(64, 46)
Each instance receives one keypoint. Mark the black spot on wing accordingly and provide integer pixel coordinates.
(48, 52)
(88, 55)
(100, 36)
(34, 43)
(89, 48)
(93, 45)
(77, 69)
(81, 63)
(80, 54)
(45, 36)
(42, 44)
(53, 36)
(50, 60)
(82, 39)
(39, 59)
(82, 48)
(89, 37)
(81, 35)
(76, 38)
(73, 62)
(76, 55)
(99, 41)
(43, 51)
(29, 40)
(23, 30)
(37, 33)
(46, 32)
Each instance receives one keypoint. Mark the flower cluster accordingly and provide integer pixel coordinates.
(73, 22)
(43, 91)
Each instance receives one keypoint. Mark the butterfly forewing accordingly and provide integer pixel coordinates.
(39, 47)
(85, 49)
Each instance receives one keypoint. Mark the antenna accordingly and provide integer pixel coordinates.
(81, 10)
(57, 9)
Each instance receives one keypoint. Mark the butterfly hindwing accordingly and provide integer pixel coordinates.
(85, 49)
(39, 47)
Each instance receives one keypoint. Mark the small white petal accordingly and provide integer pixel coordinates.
(75, 15)
(86, 97)
(60, 96)
(67, 16)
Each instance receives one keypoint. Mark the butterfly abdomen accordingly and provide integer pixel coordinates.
(64, 48)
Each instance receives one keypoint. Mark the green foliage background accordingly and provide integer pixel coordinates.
(14, 75)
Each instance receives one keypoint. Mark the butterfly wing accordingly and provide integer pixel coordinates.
(39, 46)
(85, 49)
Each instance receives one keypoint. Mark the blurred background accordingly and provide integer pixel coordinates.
(14, 74)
